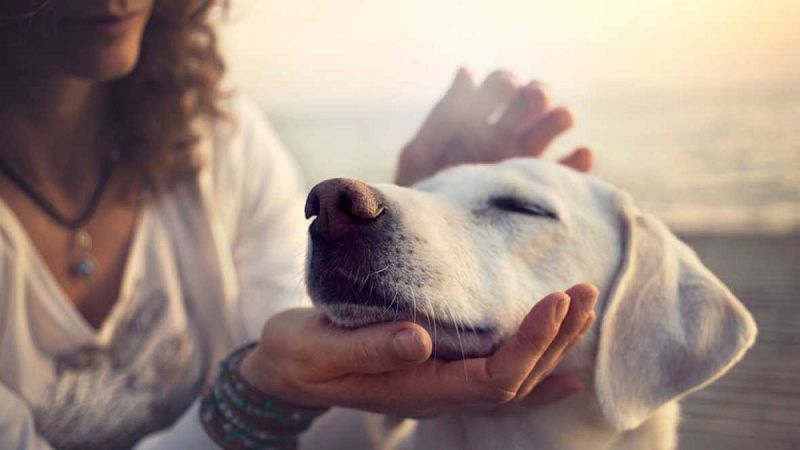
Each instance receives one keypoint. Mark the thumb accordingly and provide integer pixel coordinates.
(446, 116)
(376, 348)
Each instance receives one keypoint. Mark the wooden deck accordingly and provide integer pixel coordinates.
(757, 404)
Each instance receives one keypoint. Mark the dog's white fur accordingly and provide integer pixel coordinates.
(666, 326)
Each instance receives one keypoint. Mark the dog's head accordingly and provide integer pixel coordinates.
(467, 253)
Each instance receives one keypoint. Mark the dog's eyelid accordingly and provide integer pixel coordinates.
(518, 205)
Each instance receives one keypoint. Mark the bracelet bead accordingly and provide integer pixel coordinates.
(237, 415)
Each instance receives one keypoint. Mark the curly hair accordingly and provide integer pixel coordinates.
(174, 86)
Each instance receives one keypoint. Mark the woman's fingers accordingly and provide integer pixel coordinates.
(446, 117)
(498, 379)
(372, 366)
(584, 329)
(387, 367)
(551, 389)
(581, 159)
(524, 110)
(536, 139)
(459, 96)
(497, 89)
(583, 298)
(513, 361)
(478, 381)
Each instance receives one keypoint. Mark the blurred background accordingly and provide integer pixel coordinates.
(693, 106)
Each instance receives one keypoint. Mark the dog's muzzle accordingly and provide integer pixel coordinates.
(352, 239)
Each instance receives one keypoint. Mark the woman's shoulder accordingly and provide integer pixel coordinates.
(243, 139)
(246, 164)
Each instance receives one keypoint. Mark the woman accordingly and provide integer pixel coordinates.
(149, 227)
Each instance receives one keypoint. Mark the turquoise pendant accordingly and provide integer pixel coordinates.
(84, 268)
(86, 265)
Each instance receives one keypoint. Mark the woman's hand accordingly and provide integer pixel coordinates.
(460, 129)
(386, 368)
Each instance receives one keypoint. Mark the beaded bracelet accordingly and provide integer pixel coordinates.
(236, 415)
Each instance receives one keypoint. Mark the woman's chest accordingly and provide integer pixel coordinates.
(87, 263)
(135, 374)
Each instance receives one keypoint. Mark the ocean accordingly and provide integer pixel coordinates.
(710, 160)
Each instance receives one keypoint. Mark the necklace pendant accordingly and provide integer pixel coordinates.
(86, 264)
(84, 268)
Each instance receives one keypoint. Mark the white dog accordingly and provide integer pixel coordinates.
(469, 251)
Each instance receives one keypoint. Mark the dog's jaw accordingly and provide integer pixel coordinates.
(450, 342)
(390, 273)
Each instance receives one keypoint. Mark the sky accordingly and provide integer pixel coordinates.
(297, 54)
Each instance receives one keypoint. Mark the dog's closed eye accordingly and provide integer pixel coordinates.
(521, 206)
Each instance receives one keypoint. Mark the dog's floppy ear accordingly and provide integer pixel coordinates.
(670, 326)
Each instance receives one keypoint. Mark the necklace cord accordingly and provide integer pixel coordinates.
(49, 208)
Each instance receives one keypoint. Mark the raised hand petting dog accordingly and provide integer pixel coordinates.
(497, 120)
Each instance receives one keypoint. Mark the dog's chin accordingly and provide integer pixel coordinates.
(450, 342)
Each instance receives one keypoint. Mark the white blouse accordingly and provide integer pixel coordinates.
(209, 263)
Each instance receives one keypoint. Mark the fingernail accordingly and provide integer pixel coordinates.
(408, 346)
(561, 309)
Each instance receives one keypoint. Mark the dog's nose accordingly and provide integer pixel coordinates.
(341, 205)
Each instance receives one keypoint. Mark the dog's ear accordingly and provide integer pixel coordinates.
(670, 326)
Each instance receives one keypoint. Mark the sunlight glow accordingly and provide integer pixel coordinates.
(319, 51)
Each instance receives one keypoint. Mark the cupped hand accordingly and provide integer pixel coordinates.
(462, 127)
(387, 368)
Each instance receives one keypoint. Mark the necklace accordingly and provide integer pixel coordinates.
(84, 263)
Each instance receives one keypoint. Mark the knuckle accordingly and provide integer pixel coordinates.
(363, 353)
(306, 364)
(536, 342)
(318, 367)
(273, 349)
(531, 385)
(299, 352)
(292, 380)
(499, 394)
(536, 93)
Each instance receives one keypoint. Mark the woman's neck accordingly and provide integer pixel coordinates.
(52, 129)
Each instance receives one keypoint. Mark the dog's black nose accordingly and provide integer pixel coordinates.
(341, 205)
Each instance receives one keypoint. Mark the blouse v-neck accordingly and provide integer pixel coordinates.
(59, 301)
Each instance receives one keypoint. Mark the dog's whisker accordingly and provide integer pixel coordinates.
(449, 311)
(414, 303)
(431, 314)
(380, 270)
(388, 308)
(428, 315)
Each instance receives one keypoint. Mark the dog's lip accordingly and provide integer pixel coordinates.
(451, 340)
(403, 313)
(450, 343)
